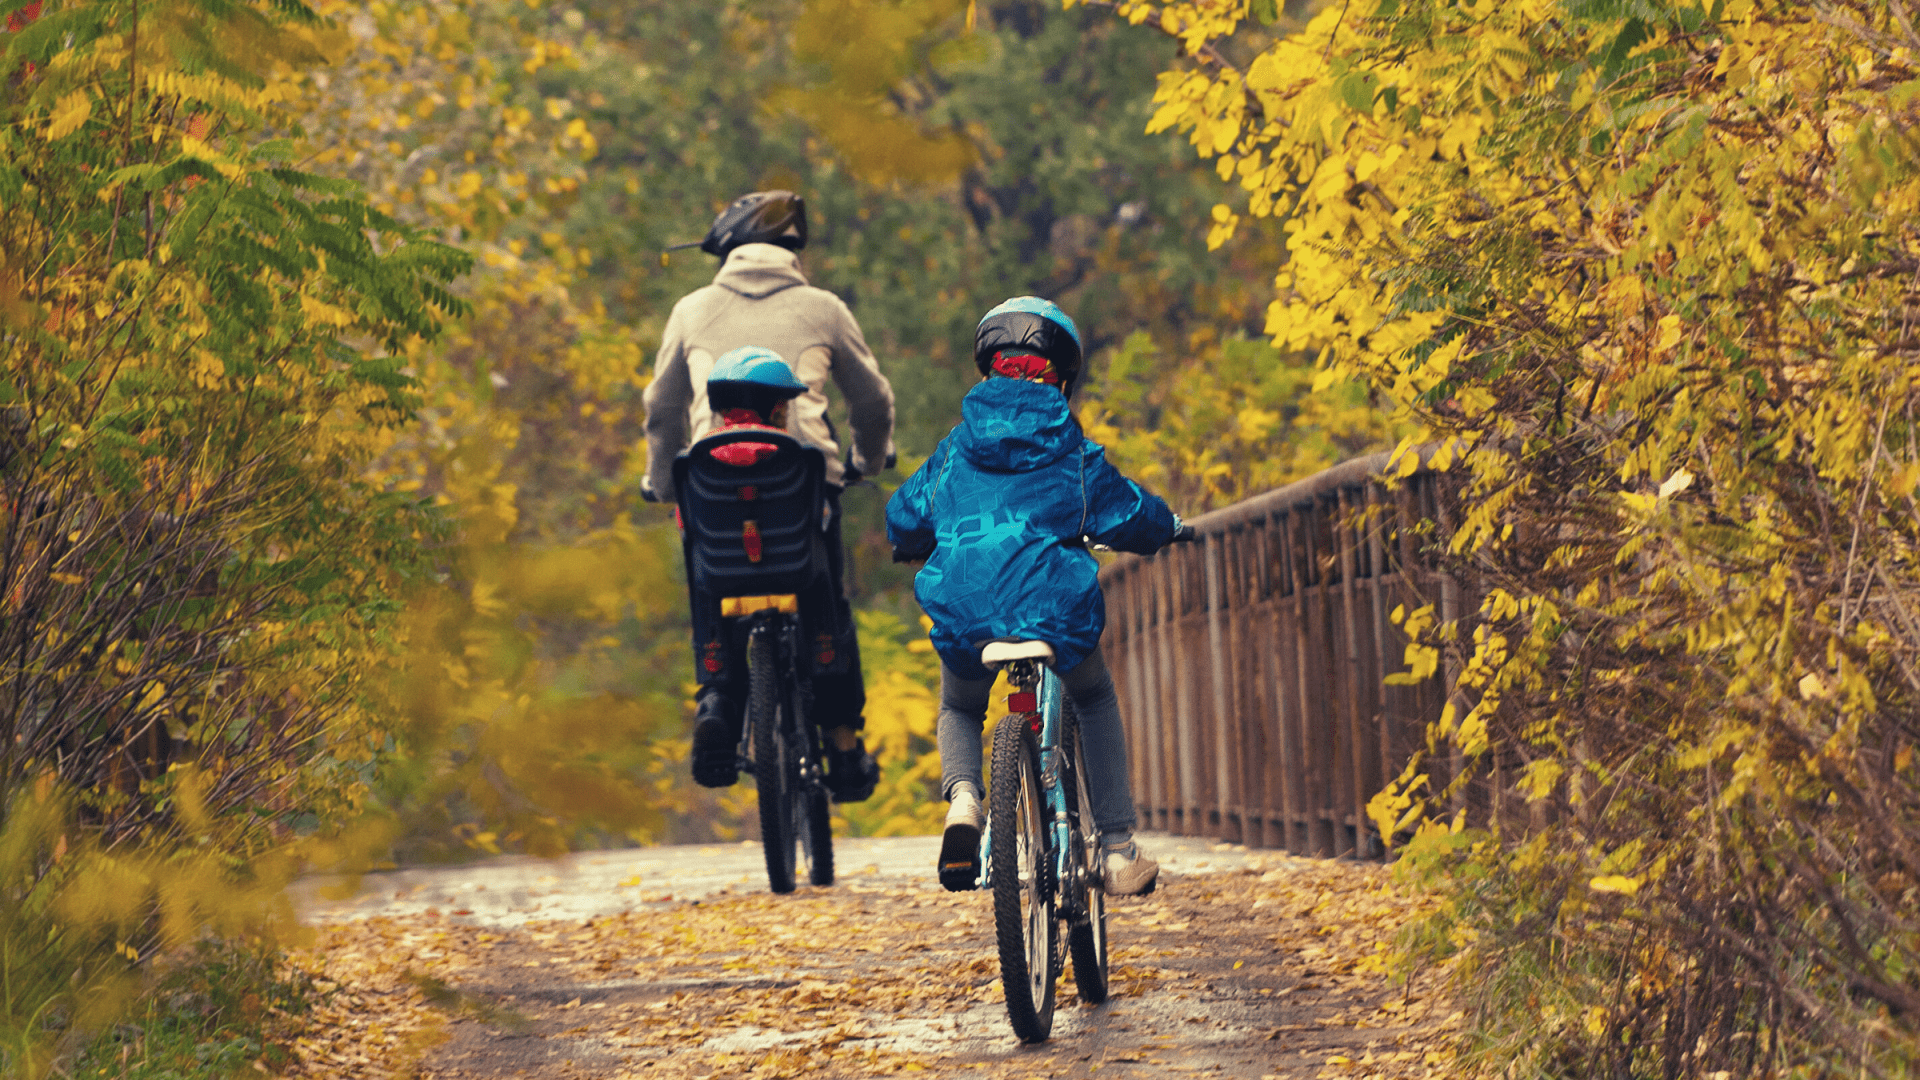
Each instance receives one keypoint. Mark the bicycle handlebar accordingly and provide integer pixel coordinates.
(1184, 534)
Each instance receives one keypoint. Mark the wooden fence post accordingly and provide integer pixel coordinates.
(1223, 785)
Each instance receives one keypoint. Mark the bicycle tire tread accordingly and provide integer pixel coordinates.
(1087, 944)
(776, 834)
(820, 823)
(1032, 1021)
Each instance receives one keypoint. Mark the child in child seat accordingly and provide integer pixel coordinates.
(1001, 513)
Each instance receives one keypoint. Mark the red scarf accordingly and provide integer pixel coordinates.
(1025, 366)
(732, 418)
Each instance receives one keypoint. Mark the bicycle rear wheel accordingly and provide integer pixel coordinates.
(1086, 936)
(1025, 921)
(812, 816)
(770, 772)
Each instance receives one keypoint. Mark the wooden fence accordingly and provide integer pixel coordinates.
(1251, 663)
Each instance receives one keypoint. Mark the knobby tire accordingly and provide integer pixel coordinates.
(1028, 966)
(812, 813)
(1087, 940)
(770, 773)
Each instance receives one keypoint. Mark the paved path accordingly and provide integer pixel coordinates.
(516, 891)
(676, 962)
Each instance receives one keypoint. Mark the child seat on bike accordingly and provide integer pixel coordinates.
(753, 504)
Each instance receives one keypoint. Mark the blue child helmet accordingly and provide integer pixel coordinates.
(753, 378)
(1031, 325)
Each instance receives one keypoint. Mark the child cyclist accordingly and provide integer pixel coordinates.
(1001, 513)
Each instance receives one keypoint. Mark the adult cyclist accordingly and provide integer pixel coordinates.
(760, 298)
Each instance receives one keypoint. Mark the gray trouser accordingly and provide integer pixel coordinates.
(963, 712)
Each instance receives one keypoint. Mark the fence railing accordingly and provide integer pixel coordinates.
(1251, 664)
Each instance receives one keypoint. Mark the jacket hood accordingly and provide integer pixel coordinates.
(757, 270)
(1008, 425)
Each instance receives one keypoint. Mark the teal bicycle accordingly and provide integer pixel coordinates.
(1040, 852)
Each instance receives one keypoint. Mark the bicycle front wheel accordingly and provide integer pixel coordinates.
(1024, 917)
(771, 776)
(812, 816)
(1087, 932)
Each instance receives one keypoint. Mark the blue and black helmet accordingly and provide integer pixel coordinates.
(751, 378)
(1029, 324)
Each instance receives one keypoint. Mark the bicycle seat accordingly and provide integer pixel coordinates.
(997, 654)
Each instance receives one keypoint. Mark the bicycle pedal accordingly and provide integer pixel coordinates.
(960, 859)
(959, 877)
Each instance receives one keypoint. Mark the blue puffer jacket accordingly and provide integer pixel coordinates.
(1001, 505)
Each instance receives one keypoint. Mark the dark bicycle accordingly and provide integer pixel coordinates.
(753, 514)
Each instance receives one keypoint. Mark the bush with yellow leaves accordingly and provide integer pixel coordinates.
(1649, 266)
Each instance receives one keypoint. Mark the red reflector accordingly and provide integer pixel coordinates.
(748, 493)
(678, 524)
(1021, 701)
(750, 536)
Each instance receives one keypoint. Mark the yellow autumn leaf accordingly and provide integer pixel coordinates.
(1669, 334)
(68, 114)
(1615, 883)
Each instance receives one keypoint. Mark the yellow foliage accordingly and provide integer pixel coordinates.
(1641, 266)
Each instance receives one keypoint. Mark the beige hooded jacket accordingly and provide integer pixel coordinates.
(759, 297)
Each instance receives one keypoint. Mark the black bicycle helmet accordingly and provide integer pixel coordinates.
(763, 217)
(1028, 324)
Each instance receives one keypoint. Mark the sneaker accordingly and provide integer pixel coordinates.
(960, 844)
(852, 774)
(716, 760)
(1129, 873)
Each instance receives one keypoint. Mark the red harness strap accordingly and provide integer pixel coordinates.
(743, 454)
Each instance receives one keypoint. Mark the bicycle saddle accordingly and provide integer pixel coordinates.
(997, 653)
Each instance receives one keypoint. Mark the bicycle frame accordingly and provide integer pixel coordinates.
(1050, 715)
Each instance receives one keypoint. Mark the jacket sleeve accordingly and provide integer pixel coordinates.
(868, 395)
(667, 399)
(1120, 513)
(910, 521)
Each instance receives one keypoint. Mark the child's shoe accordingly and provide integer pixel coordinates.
(1129, 873)
(960, 844)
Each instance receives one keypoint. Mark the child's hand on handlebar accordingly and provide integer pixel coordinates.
(1182, 532)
